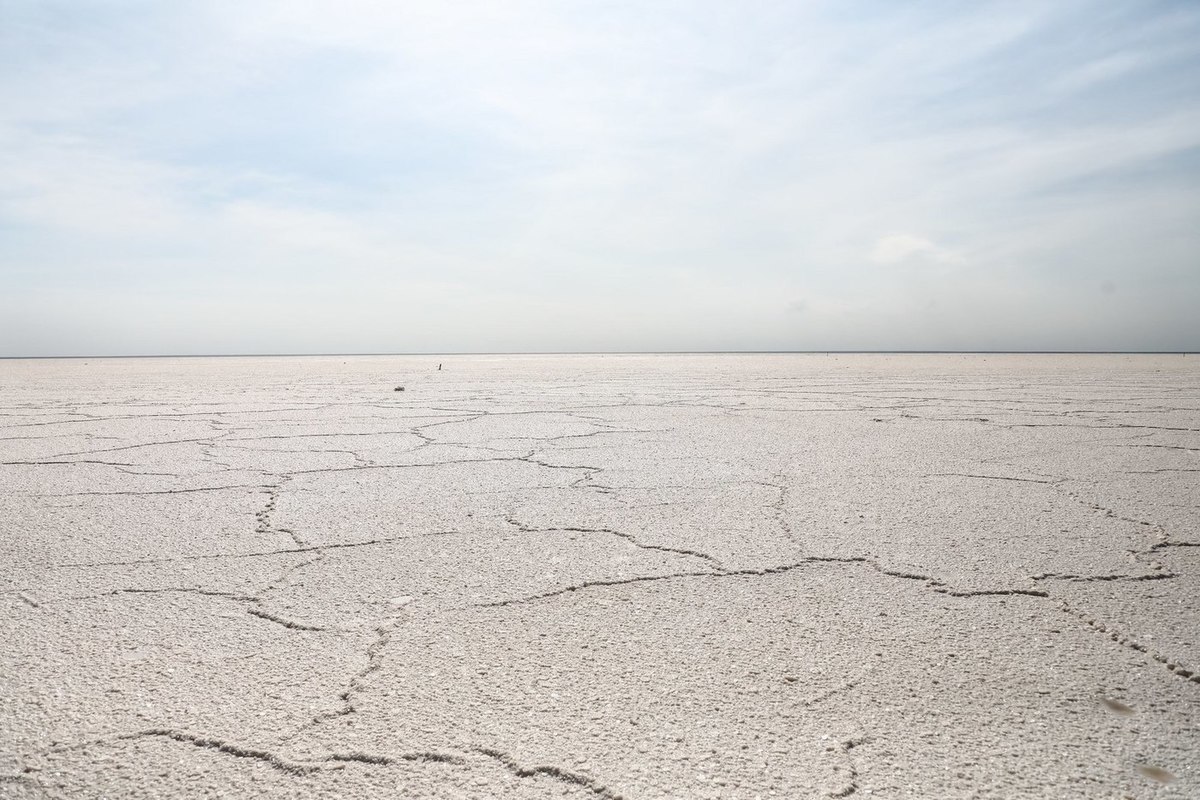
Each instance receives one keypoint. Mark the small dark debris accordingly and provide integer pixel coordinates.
(1116, 706)
(398, 389)
(1155, 773)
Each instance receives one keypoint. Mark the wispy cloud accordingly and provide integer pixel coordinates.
(537, 175)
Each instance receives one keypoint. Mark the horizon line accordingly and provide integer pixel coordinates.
(604, 353)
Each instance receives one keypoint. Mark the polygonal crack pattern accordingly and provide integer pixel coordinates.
(615, 577)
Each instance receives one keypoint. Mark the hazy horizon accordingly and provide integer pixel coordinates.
(586, 353)
(212, 179)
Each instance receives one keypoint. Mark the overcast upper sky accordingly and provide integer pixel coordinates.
(399, 176)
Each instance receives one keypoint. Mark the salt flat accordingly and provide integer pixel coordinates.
(601, 576)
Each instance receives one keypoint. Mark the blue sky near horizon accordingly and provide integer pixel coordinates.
(274, 176)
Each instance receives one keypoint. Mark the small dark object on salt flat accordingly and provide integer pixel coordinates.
(398, 389)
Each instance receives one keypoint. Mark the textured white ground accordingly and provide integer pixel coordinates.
(779, 576)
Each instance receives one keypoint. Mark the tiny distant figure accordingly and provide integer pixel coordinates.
(439, 367)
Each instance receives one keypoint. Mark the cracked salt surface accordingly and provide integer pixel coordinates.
(601, 576)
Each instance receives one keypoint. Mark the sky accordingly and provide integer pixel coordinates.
(300, 176)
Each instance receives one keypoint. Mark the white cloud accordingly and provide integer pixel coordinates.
(904, 247)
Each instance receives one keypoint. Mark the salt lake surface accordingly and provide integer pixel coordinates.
(601, 576)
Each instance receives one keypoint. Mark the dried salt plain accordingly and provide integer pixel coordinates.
(783, 576)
